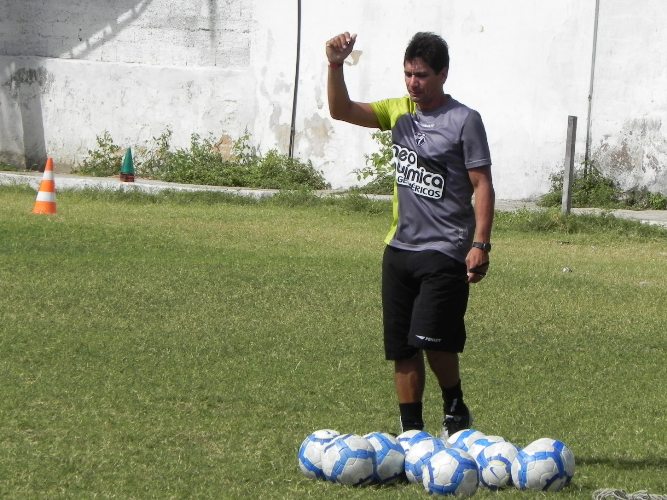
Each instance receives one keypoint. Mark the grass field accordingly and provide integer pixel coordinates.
(184, 345)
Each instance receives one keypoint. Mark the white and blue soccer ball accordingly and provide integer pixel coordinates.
(389, 457)
(464, 438)
(481, 443)
(349, 459)
(413, 436)
(545, 464)
(310, 452)
(451, 472)
(495, 465)
(419, 454)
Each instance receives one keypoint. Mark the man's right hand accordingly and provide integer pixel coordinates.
(341, 107)
(339, 47)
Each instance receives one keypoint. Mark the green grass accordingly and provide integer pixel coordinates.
(183, 345)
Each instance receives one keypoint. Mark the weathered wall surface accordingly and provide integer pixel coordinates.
(629, 125)
(135, 68)
(71, 69)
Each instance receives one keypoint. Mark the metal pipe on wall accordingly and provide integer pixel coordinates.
(296, 80)
(587, 154)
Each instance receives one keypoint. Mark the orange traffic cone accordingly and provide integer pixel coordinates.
(46, 197)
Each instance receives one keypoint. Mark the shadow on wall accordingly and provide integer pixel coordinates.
(22, 128)
(83, 25)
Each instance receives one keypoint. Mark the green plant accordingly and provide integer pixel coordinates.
(591, 188)
(643, 199)
(595, 190)
(274, 170)
(104, 161)
(8, 167)
(657, 201)
(202, 162)
(243, 151)
(150, 160)
(379, 170)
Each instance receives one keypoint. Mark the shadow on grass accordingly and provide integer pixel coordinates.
(625, 463)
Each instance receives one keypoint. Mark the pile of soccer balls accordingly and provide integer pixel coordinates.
(458, 466)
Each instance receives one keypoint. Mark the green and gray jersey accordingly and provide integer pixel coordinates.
(432, 191)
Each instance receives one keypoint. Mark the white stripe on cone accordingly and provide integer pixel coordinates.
(46, 196)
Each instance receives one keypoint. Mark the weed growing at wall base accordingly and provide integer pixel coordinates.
(204, 162)
(591, 188)
(8, 167)
(103, 161)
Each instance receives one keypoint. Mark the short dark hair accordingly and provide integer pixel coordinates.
(431, 48)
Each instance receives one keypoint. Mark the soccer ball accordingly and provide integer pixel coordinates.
(409, 438)
(389, 457)
(349, 459)
(451, 472)
(464, 438)
(545, 464)
(310, 452)
(418, 455)
(481, 443)
(495, 464)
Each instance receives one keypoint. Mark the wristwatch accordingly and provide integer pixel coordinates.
(482, 246)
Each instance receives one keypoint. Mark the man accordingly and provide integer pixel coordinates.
(438, 243)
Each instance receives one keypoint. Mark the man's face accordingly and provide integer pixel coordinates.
(423, 84)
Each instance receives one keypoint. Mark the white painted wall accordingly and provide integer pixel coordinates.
(72, 69)
(630, 99)
(134, 68)
(522, 68)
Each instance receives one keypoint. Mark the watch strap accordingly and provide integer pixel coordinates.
(482, 246)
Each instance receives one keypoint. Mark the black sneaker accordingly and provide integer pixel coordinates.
(454, 423)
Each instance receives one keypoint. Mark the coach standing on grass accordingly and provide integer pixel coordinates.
(438, 243)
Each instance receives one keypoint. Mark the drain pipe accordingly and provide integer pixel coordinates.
(296, 80)
(587, 155)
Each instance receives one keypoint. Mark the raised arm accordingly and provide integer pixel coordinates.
(341, 107)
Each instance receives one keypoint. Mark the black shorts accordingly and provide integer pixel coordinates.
(424, 300)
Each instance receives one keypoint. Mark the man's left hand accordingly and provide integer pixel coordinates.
(477, 263)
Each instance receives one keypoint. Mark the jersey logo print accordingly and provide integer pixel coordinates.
(420, 138)
(411, 174)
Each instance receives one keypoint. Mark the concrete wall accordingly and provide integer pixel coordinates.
(629, 104)
(506, 63)
(71, 69)
(131, 67)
